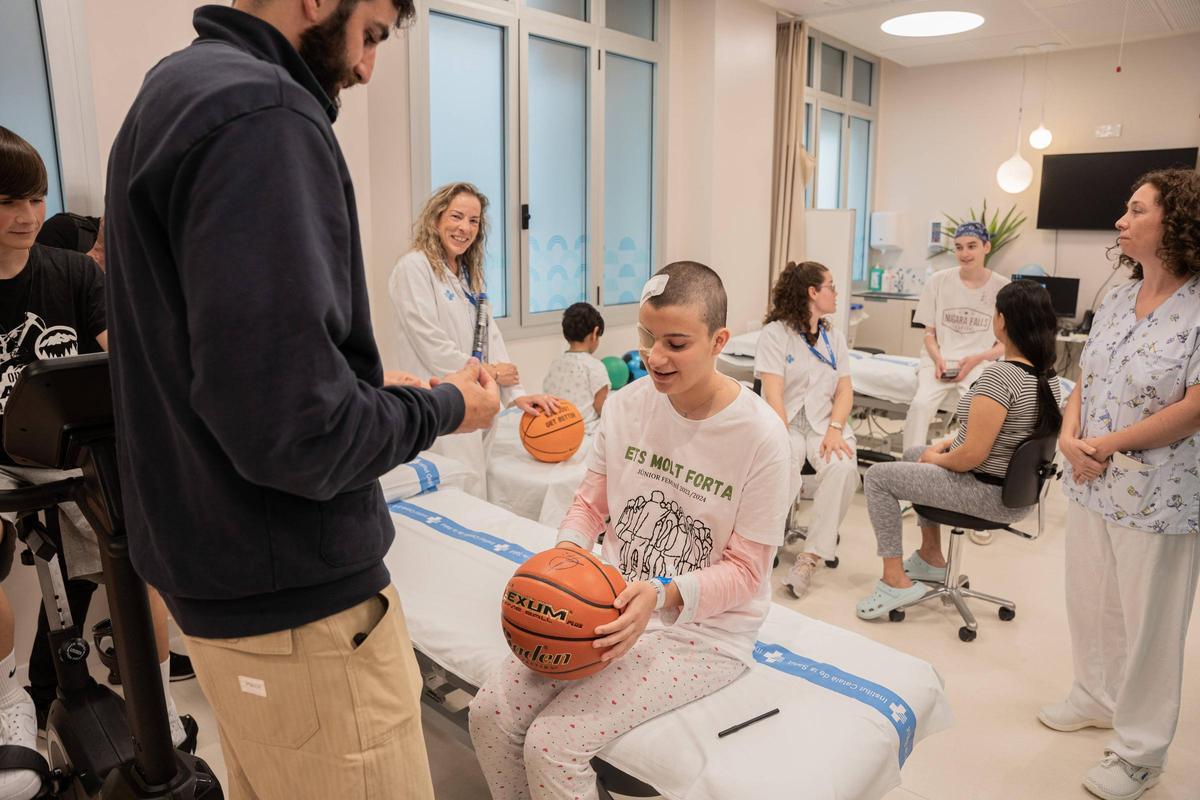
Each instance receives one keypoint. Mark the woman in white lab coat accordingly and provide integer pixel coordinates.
(804, 366)
(436, 291)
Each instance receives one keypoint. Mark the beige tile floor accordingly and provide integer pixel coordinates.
(997, 750)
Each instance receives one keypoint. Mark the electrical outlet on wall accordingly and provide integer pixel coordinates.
(1110, 131)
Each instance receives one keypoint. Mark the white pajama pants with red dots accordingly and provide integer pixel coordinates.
(535, 737)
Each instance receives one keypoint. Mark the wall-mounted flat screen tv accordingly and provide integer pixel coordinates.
(1087, 191)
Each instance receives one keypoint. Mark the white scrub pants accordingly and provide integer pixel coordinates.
(836, 482)
(472, 450)
(933, 394)
(1129, 599)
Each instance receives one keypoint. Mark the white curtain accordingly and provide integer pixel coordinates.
(793, 165)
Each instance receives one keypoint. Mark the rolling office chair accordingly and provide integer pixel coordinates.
(1032, 465)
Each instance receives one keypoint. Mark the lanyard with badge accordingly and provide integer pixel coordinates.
(465, 285)
(480, 302)
(832, 359)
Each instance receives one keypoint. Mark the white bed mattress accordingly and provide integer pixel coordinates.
(525, 486)
(882, 376)
(428, 472)
(850, 709)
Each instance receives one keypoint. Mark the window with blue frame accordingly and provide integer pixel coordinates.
(551, 108)
(840, 104)
(25, 89)
(467, 123)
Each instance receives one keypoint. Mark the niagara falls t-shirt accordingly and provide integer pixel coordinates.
(54, 307)
(677, 489)
(962, 316)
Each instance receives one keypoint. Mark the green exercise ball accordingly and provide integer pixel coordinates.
(618, 371)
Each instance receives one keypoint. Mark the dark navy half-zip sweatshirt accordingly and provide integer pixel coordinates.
(252, 424)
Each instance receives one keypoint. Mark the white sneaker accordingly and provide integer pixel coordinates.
(18, 726)
(1061, 717)
(799, 577)
(178, 734)
(1114, 778)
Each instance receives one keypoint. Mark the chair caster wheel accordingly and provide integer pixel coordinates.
(896, 615)
(966, 634)
(981, 537)
(832, 563)
(1007, 613)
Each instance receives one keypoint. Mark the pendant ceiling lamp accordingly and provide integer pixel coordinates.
(1015, 174)
(1040, 138)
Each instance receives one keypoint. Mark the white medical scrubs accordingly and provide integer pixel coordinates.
(1132, 553)
(435, 328)
(810, 378)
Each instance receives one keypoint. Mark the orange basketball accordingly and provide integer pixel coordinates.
(553, 438)
(551, 608)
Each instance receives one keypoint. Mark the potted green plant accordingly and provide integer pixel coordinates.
(1001, 231)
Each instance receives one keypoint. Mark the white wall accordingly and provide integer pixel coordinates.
(722, 109)
(943, 131)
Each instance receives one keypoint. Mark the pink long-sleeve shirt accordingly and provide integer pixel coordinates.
(732, 579)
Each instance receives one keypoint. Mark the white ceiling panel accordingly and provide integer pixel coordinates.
(1008, 24)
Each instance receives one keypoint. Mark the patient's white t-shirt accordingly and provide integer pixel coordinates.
(677, 488)
(961, 316)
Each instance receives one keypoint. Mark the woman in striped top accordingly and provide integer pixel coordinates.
(1014, 399)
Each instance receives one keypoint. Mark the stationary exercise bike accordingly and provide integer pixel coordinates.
(59, 415)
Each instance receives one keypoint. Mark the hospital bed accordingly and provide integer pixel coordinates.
(851, 710)
(884, 385)
(525, 486)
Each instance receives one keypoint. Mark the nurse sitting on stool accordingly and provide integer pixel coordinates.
(805, 371)
(437, 289)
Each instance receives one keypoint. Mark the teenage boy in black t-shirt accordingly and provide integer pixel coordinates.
(51, 306)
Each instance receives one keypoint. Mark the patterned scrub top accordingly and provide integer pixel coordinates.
(1132, 369)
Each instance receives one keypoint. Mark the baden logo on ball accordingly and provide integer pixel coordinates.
(551, 608)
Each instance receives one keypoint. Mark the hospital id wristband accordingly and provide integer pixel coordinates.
(837, 426)
(660, 591)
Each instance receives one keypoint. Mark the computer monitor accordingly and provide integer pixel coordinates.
(1064, 292)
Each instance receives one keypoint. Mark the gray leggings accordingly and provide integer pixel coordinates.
(929, 485)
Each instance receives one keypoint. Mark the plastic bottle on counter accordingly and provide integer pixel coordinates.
(889, 280)
(875, 279)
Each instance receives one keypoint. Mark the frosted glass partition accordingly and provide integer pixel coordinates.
(25, 89)
(635, 17)
(558, 157)
(808, 118)
(575, 9)
(829, 160)
(864, 75)
(466, 127)
(628, 177)
(858, 175)
(833, 65)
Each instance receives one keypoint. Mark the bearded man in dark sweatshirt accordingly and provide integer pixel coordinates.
(252, 413)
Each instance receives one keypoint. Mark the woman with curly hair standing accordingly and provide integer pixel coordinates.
(1131, 438)
(804, 366)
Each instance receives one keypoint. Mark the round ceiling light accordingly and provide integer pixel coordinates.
(932, 23)
(1015, 175)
